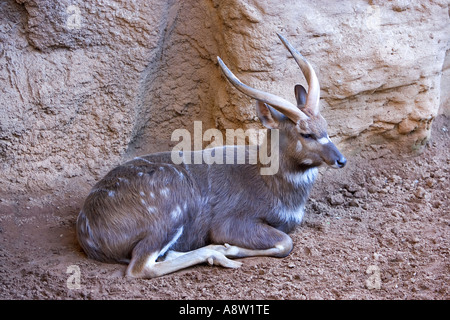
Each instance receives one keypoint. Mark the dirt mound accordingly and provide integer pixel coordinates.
(378, 229)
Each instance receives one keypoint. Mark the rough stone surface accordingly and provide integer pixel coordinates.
(88, 84)
(445, 86)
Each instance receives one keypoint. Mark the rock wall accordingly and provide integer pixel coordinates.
(88, 84)
(445, 86)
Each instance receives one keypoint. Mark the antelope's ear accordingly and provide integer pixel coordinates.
(300, 95)
(269, 117)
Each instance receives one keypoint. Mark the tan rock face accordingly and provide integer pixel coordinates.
(87, 84)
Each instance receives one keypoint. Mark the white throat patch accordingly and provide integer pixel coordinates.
(307, 177)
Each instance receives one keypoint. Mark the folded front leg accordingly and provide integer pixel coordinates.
(251, 239)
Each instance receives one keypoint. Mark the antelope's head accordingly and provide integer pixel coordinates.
(303, 130)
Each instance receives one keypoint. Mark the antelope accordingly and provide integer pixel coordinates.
(159, 217)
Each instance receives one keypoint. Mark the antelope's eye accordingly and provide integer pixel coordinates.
(307, 135)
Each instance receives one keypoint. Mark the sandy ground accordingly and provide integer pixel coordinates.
(378, 229)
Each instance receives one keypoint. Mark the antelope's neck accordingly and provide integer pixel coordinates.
(292, 186)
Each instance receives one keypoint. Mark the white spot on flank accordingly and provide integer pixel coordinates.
(175, 214)
(324, 140)
(142, 194)
(152, 195)
(143, 202)
(111, 193)
(151, 210)
(140, 174)
(164, 192)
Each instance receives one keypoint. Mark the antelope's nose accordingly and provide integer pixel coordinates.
(340, 163)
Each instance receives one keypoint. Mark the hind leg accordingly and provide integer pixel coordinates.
(145, 264)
